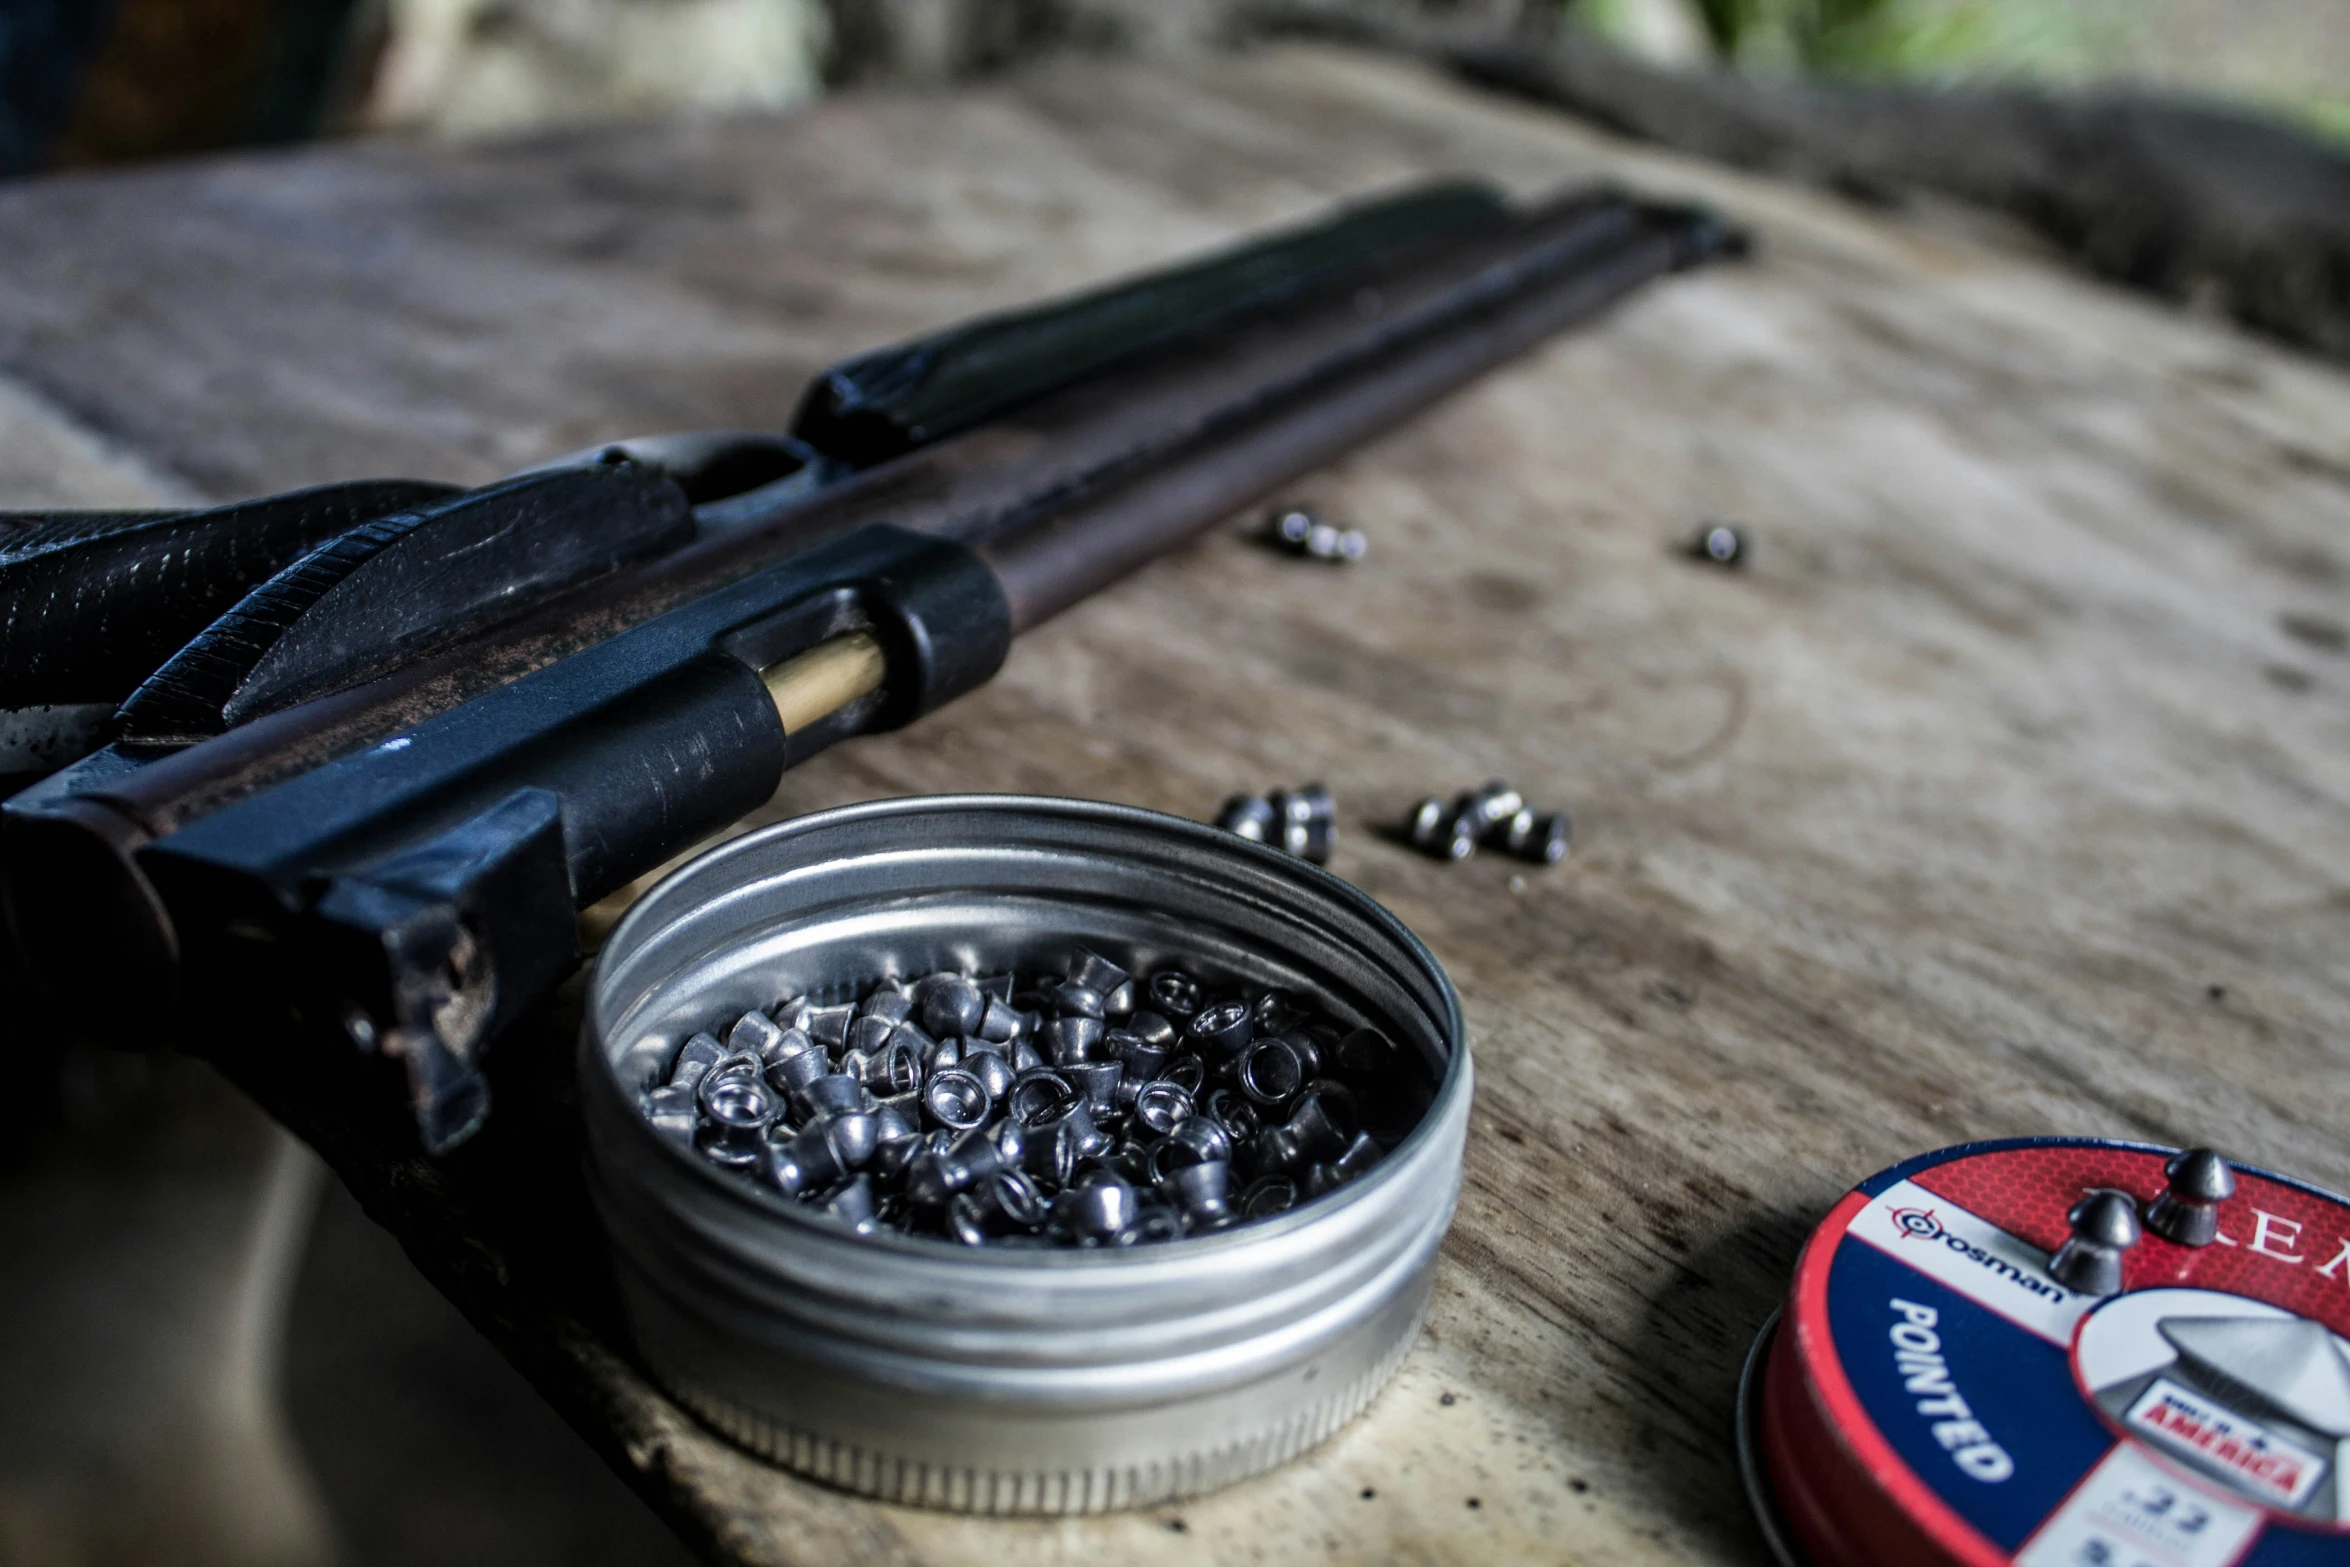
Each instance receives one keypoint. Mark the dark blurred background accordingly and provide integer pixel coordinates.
(98, 81)
(2196, 149)
(106, 81)
(208, 1354)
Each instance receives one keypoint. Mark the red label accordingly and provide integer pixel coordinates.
(2277, 1243)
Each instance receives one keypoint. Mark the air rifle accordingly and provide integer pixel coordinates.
(367, 750)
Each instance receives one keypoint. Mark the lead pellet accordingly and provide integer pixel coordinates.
(695, 1057)
(1071, 1040)
(1306, 803)
(967, 1218)
(897, 1069)
(1290, 527)
(1358, 1159)
(1017, 1201)
(732, 1066)
(854, 1204)
(956, 1099)
(1152, 1028)
(1489, 807)
(998, 1023)
(1074, 1121)
(1176, 995)
(1540, 836)
(1235, 1112)
(1101, 1207)
(2187, 1212)
(1320, 1126)
(835, 1093)
(1202, 1191)
(1070, 1000)
(1160, 1107)
(1273, 1070)
(1197, 1140)
(2104, 1228)
(754, 1033)
(1309, 841)
(829, 1026)
(1427, 824)
(1142, 1061)
(1271, 1012)
(938, 1174)
(888, 1003)
(803, 1163)
(1130, 1161)
(1222, 1031)
(897, 1132)
(913, 1038)
(1187, 1072)
(1051, 1152)
(952, 1006)
(1249, 816)
(1098, 1081)
(854, 1137)
(1160, 1099)
(672, 1112)
(1095, 972)
(993, 1071)
(795, 1070)
(1039, 1095)
(1268, 1196)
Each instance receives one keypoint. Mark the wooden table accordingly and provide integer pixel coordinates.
(2008, 791)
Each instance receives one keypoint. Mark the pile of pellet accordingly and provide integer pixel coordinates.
(1086, 1108)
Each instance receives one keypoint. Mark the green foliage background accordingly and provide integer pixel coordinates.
(2289, 55)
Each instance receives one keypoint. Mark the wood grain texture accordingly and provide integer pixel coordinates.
(2007, 793)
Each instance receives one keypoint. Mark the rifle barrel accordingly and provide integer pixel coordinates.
(414, 849)
(1057, 560)
(1042, 466)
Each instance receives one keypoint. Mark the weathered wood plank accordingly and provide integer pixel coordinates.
(2009, 792)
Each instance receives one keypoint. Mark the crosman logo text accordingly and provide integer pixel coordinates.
(1919, 1224)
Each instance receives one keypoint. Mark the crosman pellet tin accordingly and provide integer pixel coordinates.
(1932, 1393)
(984, 1378)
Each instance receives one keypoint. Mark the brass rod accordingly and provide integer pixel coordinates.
(828, 677)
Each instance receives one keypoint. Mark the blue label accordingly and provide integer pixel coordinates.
(1982, 1411)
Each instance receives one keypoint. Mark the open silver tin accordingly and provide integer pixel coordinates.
(1014, 1381)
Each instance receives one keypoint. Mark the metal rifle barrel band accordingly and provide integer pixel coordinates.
(993, 1380)
(409, 851)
